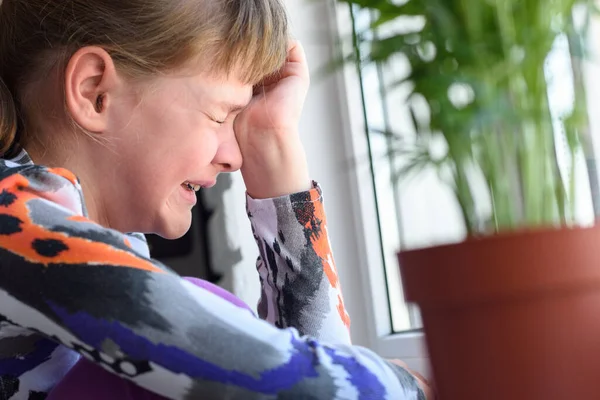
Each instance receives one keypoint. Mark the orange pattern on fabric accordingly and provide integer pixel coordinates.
(80, 250)
(78, 218)
(342, 311)
(65, 173)
(321, 246)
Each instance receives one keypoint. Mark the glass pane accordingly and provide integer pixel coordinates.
(390, 196)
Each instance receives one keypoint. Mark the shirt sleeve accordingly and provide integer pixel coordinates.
(83, 286)
(299, 280)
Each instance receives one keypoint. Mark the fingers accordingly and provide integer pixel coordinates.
(295, 52)
(295, 65)
(266, 83)
(425, 385)
(296, 60)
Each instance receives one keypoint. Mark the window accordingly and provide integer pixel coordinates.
(393, 325)
(423, 212)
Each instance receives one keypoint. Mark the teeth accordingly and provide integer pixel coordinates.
(191, 186)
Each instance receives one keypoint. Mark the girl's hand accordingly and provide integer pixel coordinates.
(423, 383)
(267, 131)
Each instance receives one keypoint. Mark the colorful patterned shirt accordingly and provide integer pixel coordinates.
(70, 287)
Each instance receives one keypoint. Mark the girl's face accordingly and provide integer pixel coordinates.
(173, 139)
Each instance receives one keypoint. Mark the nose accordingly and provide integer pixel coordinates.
(229, 156)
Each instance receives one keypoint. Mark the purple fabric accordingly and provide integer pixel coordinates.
(219, 291)
(88, 381)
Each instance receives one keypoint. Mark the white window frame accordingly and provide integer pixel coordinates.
(409, 346)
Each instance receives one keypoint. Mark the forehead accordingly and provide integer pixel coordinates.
(212, 87)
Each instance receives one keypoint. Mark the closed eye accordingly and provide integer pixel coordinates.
(218, 121)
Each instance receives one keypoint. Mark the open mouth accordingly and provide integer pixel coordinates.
(191, 187)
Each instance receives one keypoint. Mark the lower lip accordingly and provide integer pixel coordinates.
(188, 195)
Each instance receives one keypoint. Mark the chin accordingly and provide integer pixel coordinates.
(174, 228)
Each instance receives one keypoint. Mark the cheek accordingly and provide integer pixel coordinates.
(170, 142)
(176, 134)
(200, 145)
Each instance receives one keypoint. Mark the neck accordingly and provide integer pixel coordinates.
(71, 158)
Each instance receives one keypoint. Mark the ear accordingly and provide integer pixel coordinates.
(90, 84)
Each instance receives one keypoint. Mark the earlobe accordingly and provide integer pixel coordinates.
(90, 78)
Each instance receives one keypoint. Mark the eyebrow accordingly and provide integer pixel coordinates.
(234, 108)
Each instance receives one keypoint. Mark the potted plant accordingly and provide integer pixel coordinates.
(512, 312)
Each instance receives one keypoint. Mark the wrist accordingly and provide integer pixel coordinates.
(279, 172)
(267, 186)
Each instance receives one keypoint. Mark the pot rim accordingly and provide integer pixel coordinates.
(505, 266)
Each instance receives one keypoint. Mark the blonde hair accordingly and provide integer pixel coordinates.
(144, 38)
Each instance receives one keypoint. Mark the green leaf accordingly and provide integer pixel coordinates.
(498, 49)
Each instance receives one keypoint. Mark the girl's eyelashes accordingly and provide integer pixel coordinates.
(218, 121)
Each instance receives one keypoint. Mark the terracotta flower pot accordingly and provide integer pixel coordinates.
(511, 317)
